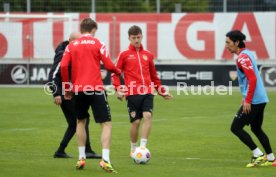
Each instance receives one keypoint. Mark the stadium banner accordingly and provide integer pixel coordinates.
(268, 74)
(169, 36)
(195, 75)
(31, 74)
(171, 75)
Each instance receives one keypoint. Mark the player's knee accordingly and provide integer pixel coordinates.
(107, 124)
(72, 123)
(256, 130)
(72, 126)
(234, 129)
(81, 121)
(136, 122)
(147, 115)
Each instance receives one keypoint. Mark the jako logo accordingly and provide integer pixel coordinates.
(19, 74)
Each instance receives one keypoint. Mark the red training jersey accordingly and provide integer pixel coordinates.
(139, 72)
(85, 55)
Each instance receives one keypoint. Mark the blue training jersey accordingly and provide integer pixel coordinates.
(260, 95)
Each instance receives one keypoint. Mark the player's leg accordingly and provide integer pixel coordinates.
(146, 128)
(256, 127)
(147, 107)
(101, 112)
(106, 139)
(82, 106)
(87, 143)
(68, 110)
(134, 103)
(81, 135)
(89, 152)
(81, 139)
(237, 126)
(105, 163)
(134, 133)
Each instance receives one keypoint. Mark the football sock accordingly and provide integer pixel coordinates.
(257, 152)
(82, 152)
(143, 142)
(105, 154)
(133, 146)
(270, 157)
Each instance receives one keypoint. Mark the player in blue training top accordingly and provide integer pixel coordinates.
(254, 101)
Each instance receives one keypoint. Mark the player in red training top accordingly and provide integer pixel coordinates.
(140, 79)
(84, 55)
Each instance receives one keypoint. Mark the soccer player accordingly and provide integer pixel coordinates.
(67, 106)
(140, 79)
(254, 101)
(85, 55)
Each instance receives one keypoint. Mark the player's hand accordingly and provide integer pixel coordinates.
(167, 96)
(120, 95)
(68, 95)
(246, 108)
(57, 100)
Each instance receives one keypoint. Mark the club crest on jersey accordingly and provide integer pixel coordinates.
(133, 114)
(145, 57)
(233, 75)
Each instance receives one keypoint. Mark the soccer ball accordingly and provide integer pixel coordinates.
(141, 155)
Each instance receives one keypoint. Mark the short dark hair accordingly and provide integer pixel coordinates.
(87, 24)
(237, 35)
(134, 30)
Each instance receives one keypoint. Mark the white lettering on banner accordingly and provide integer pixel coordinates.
(40, 74)
(182, 36)
(185, 75)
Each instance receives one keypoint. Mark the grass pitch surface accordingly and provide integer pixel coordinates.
(190, 137)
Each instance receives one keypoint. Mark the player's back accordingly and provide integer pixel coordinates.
(85, 55)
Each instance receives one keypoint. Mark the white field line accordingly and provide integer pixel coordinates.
(17, 129)
(170, 159)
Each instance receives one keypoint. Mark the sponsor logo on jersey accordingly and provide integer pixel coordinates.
(131, 56)
(87, 42)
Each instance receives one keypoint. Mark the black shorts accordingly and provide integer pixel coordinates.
(137, 104)
(98, 102)
(256, 114)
